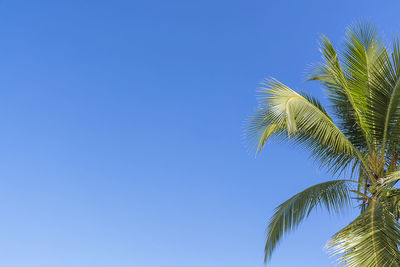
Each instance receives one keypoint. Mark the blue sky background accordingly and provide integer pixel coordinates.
(121, 130)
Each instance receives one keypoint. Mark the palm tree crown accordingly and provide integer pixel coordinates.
(361, 139)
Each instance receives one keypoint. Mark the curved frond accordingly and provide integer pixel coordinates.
(332, 195)
(300, 119)
(346, 100)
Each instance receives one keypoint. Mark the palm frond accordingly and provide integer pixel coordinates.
(346, 100)
(332, 195)
(390, 84)
(364, 60)
(300, 119)
(370, 240)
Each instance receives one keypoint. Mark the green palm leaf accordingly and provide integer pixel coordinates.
(387, 90)
(301, 119)
(332, 195)
(345, 99)
(370, 240)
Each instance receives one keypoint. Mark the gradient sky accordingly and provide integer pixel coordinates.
(121, 130)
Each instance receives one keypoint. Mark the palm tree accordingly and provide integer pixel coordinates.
(360, 142)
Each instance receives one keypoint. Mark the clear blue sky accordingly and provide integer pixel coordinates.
(121, 130)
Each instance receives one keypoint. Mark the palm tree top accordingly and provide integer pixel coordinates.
(360, 138)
